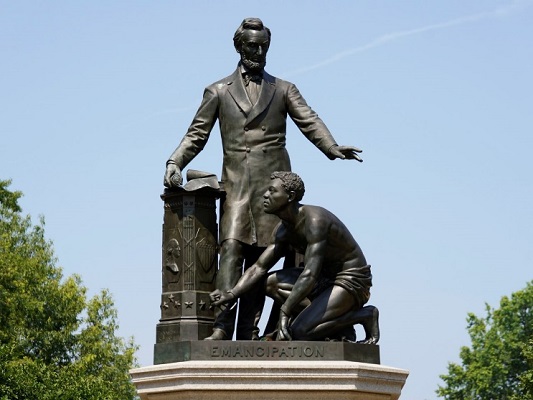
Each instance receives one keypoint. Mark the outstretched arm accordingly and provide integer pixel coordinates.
(315, 130)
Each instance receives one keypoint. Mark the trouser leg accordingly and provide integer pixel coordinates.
(229, 272)
(251, 303)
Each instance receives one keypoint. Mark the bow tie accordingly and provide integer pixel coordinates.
(251, 77)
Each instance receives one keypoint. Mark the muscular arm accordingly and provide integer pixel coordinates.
(314, 258)
(256, 272)
(316, 231)
(267, 260)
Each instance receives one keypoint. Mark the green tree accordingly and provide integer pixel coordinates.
(55, 343)
(526, 379)
(499, 363)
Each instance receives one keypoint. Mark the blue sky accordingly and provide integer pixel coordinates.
(439, 95)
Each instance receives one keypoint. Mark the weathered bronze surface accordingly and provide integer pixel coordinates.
(251, 107)
(189, 264)
(324, 298)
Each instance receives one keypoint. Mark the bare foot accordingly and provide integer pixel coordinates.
(371, 325)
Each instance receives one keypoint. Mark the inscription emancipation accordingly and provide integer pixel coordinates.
(290, 350)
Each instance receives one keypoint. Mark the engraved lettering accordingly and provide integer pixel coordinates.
(292, 348)
(270, 351)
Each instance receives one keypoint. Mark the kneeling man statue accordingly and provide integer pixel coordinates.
(325, 297)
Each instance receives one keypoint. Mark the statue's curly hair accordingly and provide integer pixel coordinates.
(291, 182)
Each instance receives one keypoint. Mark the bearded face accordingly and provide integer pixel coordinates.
(254, 48)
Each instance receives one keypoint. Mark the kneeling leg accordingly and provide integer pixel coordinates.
(331, 313)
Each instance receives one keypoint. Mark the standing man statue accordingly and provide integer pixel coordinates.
(325, 298)
(251, 107)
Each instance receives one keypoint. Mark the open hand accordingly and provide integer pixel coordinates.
(346, 152)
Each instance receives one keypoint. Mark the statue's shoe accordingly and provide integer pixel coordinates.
(218, 334)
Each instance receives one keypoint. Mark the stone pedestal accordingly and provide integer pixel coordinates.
(258, 380)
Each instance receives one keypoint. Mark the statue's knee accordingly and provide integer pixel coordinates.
(371, 312)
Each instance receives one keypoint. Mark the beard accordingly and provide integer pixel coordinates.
(253, 66)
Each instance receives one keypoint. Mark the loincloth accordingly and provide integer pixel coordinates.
(356, 281)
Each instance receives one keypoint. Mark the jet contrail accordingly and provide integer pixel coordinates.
(389, 37)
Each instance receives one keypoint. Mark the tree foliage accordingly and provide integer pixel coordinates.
(55, 343)
(499, 363)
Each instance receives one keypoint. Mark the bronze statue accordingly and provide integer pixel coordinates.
(251, 107)
(325, 298)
